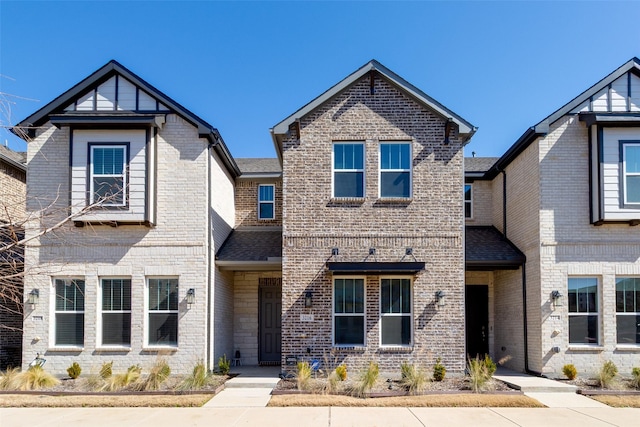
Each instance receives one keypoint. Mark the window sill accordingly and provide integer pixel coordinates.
(113, 349)
(394, 200)
(65, 349)
(630, 348)
(396, 349)
(586, 348)
(346, 201)
(352, 348)
(160, 348)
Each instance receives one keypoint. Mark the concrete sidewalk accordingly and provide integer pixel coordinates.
(320, 417)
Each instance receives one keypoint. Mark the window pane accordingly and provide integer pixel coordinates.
(69, 295)
(467, 210)
(266, 193)
(633, 189)
(395, 156)
(108, 161)
(385, 296)
(467, 192)
(583, 329)
(396, 330)
(632, 158)
(628, 328)
(348, 184)
(116, 328)
(163, 329)
(116, 294)
(70, 329)
(266, 210)
(349, 330)
(339, 295)
(109, 189)
(395, 296)
(406, 296)
(163, 294)
(395, 184)
(583, 296)
(359, 295)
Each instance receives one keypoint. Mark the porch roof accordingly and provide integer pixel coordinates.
(251, 248)
(487, 249)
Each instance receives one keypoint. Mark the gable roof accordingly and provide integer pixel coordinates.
(542, 127)
(465, 128)
(57, 106)
(14, 158)
(259, 166)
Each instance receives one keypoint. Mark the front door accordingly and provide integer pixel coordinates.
(477, 320)
(270, 314)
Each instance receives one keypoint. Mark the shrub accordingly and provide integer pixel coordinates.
(367, 380)
(119, 381)
(439, 371)
(412, 378)
(35, 378)
(303, 375)
(197, 379)
(635, 377)
(607, 374)
(8, 378)
(74, 370)
(105, 370)
(341, 371)
(480, 372)
(158, 374)
(570, 371)
(224, 364)
(331, 384)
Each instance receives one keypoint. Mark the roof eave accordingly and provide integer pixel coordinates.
(13, 163)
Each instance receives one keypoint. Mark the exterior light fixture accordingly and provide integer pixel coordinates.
(308, 300)
(556, 296)
(191, 296)
(335, 251)
(372, 251)
(33, 298)
(440, 298)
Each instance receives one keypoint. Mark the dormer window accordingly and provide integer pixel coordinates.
(108, 175)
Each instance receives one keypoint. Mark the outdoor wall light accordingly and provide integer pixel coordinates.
(191, 296)
(308, 300)
(556, 296)
(440, 298)
(33, 298)
(335, 251)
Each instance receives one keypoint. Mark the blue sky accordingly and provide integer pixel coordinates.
(244, 66)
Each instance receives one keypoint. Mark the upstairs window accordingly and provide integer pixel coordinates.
(631, 172)
(108, 179)
(468, 201)
(266, 201)
(348, 170)
(628, 310)
(395, 170)
(69, 313)
(583, 310)
(116, 312)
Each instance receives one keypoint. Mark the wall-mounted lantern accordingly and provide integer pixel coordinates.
(191, 296)
(33, 298)
(440, 298)
(308, 300)
(556, 296)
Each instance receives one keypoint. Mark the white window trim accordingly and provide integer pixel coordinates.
(53, 311)
(598, 313)
(333, 313)
(625, 174)
(100, 312)
(410, 314)
(267, 202)
(145, 328)
(380, 170)
(470, 202)
(625, 313)
(123, 175)
(334, 170)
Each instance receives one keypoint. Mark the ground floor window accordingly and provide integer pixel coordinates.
(116, 312)
(348, 312)
(583, 310)
(628, 310)
(163, 312)
(395, 311)
(69, 312)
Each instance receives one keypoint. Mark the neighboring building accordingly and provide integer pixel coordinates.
(370, 237)
(12, 215)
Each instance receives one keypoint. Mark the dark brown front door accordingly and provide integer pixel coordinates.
(270, 312)
(477, 320)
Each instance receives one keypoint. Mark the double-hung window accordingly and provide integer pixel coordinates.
(395, 170)
(468, 201)
(631, 172)
(348, 169)
(628, 310)
(163, 312)
(266, 201)
(395, 311)
(108, 180)
(116, 312)
(69, 312)
(348, 312)
(583, 310)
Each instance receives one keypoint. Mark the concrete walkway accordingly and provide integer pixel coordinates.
(250, 388)
(553, 394)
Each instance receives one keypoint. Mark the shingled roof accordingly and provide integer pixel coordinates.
(478, 164)
(259, 165)
(252, 246)
(15, 158)
(487, 249)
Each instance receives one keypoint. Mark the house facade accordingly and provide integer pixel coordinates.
(369, 238)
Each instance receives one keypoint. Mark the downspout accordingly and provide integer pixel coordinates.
(209, 363)
(504, 202)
